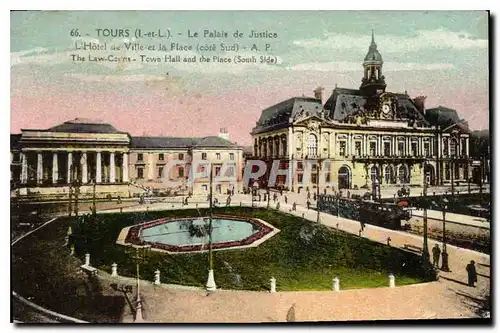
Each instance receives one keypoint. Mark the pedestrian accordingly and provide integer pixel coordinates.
(286, 199)
(294, 206)
(308, 204)
(308, 195)
(278, 206)
(436, 253)
(275, 197)
(471, 273)
(314, 196)
(228, 200)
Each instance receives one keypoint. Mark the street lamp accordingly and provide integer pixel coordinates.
(255, 188)
(139, 254)
(210, 286)
(425, 250)
(318, 168)
(444, 254)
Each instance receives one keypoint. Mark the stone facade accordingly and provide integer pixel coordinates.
(45, 164)
(362, 135)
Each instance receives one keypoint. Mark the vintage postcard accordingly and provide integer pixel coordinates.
(249, 166)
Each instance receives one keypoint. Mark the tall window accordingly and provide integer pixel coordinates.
(357, 148)
(463, 150)
(300, 166)
(314, 178)
(387, 149)
(403, 174)
(447, 171)
(217, 156)
(453, 147)
(181, 156)
(445, 146)
(312, 145)
(181, 172)
(140, 156)
(427, 150)
(300, 177)
(217, 171)
(231, 156)
(373, 148)
(140, 173)
(401, 148)
(343, 148)
(203, 156)
(161, 156)
(160, 172)
(414, 148)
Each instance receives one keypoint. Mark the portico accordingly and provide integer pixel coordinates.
(76, 152)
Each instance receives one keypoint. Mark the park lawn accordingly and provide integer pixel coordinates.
(302, 256)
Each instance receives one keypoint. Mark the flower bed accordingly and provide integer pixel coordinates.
(133, 236)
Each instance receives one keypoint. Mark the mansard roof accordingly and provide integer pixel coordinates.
(442, 116)
(345, 102)
(153, 142)
(279, 115)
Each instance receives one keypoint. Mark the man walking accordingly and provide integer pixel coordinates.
(286, 199)
(436, 253)
(471, 273)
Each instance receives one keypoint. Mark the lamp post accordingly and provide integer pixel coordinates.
(210, 286)
(139, 254)
(318, 168)
(255, 188)
(444, 254)
(425, 250)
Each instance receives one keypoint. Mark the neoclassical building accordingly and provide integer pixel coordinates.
(44, 162)
(362, 135)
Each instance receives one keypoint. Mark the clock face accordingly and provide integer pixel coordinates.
(386, 109)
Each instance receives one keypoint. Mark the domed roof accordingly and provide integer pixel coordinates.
(373, 54)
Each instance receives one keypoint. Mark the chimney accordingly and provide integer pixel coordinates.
(420, 103)
(319, 94)
(224, 133)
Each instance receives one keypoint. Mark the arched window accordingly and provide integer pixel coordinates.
(403, 174)
(374, 173)
(389, 175)
(312, 145)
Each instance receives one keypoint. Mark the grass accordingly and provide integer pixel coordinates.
(303, 256)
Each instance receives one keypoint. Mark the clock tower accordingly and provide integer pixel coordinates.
(373, 82)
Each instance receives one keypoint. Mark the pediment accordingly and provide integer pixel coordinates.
(312, 122)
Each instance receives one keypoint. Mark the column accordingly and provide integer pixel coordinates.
(112, 169)
(449, 146)
(39, 168)
(70, 166)
(24, 168)
(98, 168)
(125, 167)
(55, 168)
(83, 163)
(467, 146)
(408, 153)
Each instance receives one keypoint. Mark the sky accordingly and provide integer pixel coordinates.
(442, 55)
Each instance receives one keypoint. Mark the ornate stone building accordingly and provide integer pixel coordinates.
(44, 162)
(362, 135)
